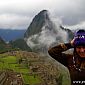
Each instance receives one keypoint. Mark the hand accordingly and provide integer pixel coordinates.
(72, 42)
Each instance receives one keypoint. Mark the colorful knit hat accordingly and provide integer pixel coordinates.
(79, 38)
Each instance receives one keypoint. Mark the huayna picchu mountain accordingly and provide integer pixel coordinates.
(42, 32)
(37, 23)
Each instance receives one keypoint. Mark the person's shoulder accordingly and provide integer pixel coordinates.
(69, 57)
(69, 53)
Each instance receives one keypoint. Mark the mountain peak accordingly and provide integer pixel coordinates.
(44, 11)
(44, 14)
(37, 23)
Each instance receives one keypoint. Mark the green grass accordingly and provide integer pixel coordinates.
(31, 79)
(9, 59)
(1, 65)
(11, 62)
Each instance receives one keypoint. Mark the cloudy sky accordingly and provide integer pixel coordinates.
(17, 14)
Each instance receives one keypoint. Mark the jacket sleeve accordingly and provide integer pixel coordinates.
(57, 52)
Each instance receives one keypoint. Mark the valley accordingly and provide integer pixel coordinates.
(27, 68)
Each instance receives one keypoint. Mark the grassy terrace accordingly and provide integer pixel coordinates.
(11, 62)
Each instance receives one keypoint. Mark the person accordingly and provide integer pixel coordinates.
(75, 62)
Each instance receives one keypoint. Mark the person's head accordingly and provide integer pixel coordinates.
(79, 43)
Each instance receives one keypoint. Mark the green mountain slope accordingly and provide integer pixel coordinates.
(20, 44)
(4, 46)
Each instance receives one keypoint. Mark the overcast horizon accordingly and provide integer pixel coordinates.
(18, 14)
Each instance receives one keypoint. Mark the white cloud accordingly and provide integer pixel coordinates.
(47, 36)
(13, 21)
(70, 11)
(77, 26)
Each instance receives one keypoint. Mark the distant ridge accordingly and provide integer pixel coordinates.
(9, 34)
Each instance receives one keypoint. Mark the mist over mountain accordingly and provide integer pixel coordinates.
(43, 32)
(8, 34)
